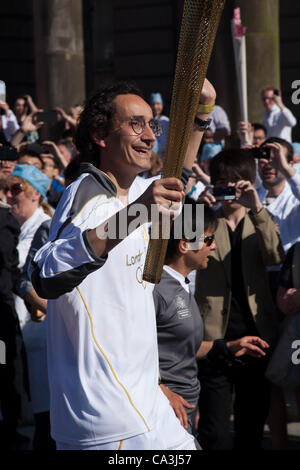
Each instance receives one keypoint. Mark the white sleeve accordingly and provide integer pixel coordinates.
(294, 183)
(67, 258)
(286, 118)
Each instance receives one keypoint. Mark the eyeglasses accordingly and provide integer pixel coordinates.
(15, 189)
(138, 125)
(208, 240)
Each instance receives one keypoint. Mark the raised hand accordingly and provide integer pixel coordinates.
(247, 195)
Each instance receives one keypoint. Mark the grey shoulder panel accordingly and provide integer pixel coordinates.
(95, 184)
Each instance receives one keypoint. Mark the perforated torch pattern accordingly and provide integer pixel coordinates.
(199, 25)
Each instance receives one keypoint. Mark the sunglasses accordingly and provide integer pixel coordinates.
(15, 189)
(207, 240)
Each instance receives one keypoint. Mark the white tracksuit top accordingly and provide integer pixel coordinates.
(102, 344)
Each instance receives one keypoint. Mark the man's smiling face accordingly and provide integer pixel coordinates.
(123, 145)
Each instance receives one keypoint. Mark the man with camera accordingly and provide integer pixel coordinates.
(278, 119)
(234, 298)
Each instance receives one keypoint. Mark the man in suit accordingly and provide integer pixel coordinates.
(235, 300)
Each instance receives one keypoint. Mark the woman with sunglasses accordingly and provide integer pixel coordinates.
(179, 323)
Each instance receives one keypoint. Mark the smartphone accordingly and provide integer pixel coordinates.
(261, 152)
(47, 116)
(2, 91)
(276, 92)
(223, 193)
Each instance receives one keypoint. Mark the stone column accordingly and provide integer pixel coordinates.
(59, 53)
(261, 17)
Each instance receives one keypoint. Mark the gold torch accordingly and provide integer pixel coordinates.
(198, 30)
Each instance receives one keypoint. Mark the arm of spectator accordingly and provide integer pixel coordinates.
(200, 174)
(178, 404)
(288, 300)
(286, 117)
(23, 284)
(207, 198)
(66, 117)
(5, 107)
(53, 148)
(296, 298)
(11, 124)
(250, 345)
(31, 104)
(28, 125)
(278, 156)
(208, 96)
(245, 133)
(265, 227)
(21, 146)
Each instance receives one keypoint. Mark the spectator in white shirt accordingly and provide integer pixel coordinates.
(8, 123)
(280, 192)
(277, 119)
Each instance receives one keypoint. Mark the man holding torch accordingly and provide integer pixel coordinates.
(102, 346)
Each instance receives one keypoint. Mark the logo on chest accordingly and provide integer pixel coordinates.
(182, 309)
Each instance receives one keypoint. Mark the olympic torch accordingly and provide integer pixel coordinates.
(198, 30)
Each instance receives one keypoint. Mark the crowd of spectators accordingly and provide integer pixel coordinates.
(246, 289)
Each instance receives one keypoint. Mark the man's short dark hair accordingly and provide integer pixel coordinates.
(210, 223)
(96, 116)
(233, 163)
(259, 127)
(30, 153)
(284, 143)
